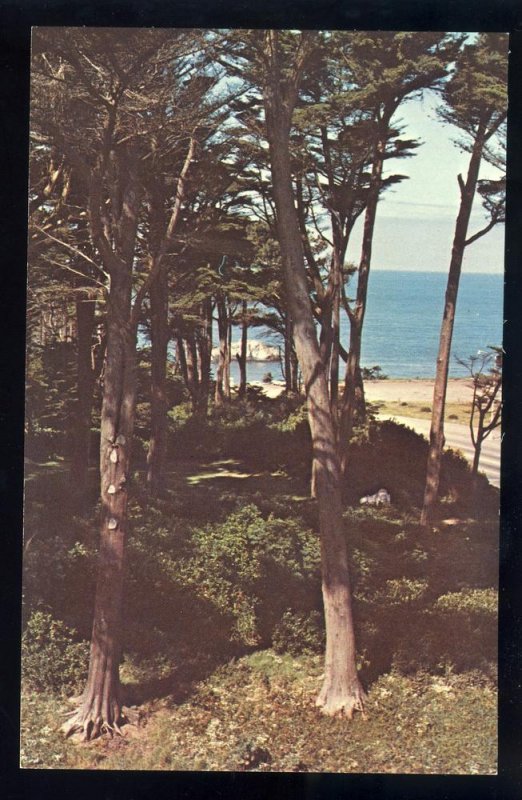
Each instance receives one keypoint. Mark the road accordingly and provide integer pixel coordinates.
(458, 437)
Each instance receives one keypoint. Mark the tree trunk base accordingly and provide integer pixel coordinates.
(90, 721)
(336, 700)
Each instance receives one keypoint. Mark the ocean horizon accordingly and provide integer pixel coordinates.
(402, 323)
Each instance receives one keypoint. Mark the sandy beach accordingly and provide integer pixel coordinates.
(398, 390)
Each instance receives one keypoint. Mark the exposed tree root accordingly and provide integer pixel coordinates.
(337, 701)
(89, 722)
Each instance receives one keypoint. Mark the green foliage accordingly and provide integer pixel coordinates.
(53, 659)
(476, 95)
(243, 564)
(299, 633)
(377, 459)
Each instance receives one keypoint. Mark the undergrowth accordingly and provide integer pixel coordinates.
(223, 626)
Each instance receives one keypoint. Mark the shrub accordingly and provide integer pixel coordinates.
(252, 568)
(52, 657)
(299, 633)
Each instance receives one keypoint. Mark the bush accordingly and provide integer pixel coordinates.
(52, 657)
(299, 633)
(253, 568)
(386, 454)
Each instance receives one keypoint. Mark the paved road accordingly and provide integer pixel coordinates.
(458, 437)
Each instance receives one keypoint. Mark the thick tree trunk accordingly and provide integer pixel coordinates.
(100, 709)
(446, 333)
(341, 692)
(158, 408)
(85, 324)
(242, 355)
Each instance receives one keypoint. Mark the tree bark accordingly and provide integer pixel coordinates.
(289, 388)
(192, 369)
(158, 407)
(100, 709)
(182, 359)
(205, 356)
(85, 324)
(446, 332)
(242, 355)
(341, 692)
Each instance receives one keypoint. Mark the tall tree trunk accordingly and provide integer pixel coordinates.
(289, 388)
(226, 370)
(205, 356)
(159, 406)
(85, 324)
(222, 320)
(181, 358)
(341, 692)
(353, 364)
(476, 455)
(100, 709)
(294, 372)
(336, 331)
(192, 370)
(436, 445)
(242, 355)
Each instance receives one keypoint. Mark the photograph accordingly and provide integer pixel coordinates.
(263, 403)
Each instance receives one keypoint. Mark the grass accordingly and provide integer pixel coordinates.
(455, 412)
(257, 713)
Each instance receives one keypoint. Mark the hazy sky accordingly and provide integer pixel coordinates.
(416, 219)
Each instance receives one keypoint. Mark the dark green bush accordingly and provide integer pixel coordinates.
(53, 659)
(254, 568)
(385, 454)
(299, 633)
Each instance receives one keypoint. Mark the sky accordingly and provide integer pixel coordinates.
(416, 219)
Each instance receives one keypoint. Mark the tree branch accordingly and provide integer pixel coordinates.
(74, 250)
(157, 261)
(482, 232)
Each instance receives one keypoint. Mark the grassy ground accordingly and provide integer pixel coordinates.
(217, 682)
(257, 713)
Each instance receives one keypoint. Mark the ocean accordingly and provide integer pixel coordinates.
(402, 324)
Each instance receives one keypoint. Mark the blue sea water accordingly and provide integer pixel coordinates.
(402, 324)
